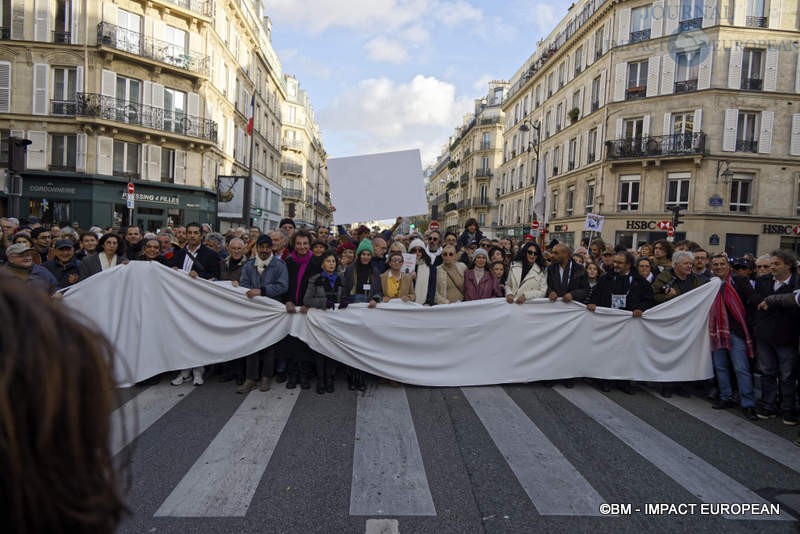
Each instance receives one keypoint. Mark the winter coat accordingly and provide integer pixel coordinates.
(487, 288)
(273, 281)
(533, 286)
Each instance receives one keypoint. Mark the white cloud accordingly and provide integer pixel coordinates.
(481, 85)
(455, 13)
(379, 115)
(387, 50)
(317, 16)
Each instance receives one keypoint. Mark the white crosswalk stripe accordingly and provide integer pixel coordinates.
(389, 477)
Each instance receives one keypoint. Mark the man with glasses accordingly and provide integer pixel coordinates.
(763, 265)
(435, 248)
(41, 241)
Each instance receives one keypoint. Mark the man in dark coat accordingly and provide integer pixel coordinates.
(64, 267)
(565, 278)
(196, 258)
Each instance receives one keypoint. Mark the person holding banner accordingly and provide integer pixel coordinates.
(527, 278)
(450, 278)
(396, 284)
(424, 276)
(566, 279)
(479, 282)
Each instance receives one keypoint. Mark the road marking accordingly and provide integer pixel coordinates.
(138, 414)
(388, 473)
(742, 430)
(553, 484)
(700, 478)
(223, 480)
(382, 526)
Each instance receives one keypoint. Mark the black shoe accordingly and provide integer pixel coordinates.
(329, 387)
(280, 378)
(682, 392)
(320, 387)
(351, 384)
(291, 383)
(227, 377)
(750, 413)
(239, 380)
(305, 382)
(627, 389)
(568, 384)
(604, 387)
(789, 419)
(764, 413)
(713, 393)
(666, 392)
(723, 404)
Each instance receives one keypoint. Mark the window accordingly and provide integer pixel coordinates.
(175, 51)
(797, 211)
(756, 14)
(752, 69)
(126, 159)
(562, 74)
(570, 200)
(747, 132)
(591, 145)
(486, 143)
(550, 84)
(63, 150)
(640, 24)
(573, 148)
(628, 193)
(691, 15)
(578, 61)
(576, 101)
(556, 159)
(554, 204)
(547, 120)
(559, 115)
(168, 165)
(64, 86)
(590, 197)
(598, 43)
(519, 211)
(633, 129)
(637, 80)
(128, 99)
(688, 66)
(677, 190)
(537, 96)
(741, 190)
(62, 30)
(129, 32)
(595, 94)
(174, 111)
(682, 129)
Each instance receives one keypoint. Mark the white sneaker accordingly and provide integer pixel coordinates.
(197, 374)
(182, 377)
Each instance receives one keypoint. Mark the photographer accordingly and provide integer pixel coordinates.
(678, 280)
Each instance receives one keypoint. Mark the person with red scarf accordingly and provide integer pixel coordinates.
(731, 341)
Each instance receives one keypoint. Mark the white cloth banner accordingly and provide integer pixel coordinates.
(160, 320)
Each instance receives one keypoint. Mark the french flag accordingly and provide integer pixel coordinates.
(252, 112)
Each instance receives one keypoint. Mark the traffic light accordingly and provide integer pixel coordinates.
(412, 226)
(676, 216)
(17, 148)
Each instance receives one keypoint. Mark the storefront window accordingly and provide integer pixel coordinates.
(791, 243)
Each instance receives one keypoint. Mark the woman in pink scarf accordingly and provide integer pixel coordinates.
(730, 341)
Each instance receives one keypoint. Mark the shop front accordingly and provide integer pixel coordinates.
(103, 202)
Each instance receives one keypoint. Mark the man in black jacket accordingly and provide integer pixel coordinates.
(777, 336)
(196, 258)
(64, 266)
(565, 278)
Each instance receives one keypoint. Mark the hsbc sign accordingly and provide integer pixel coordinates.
(781, 229)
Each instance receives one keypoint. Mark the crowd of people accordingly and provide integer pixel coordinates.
(752, 324)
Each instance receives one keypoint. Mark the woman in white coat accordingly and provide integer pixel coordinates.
(527, 278)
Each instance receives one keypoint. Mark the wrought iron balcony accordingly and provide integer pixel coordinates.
(292, 193)
(204, 7)
(136, 114)
(686, 86)
(464, 178)
(292, 168)
(641, 35)
(480, 202)
(135, 43)
(689, 25)
(483, 173)
(321, 206)
(756, 22)
(752, 84)
(63, 107)
(656, 146)
(292, 144)
(450, 207)
(746, 146)
(61, 36)
(486, 145)
(636, 93)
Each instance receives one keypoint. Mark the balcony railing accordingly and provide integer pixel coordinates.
(204, 7)
(689, 25)
(655, 146)
(464, 178)
(62, 168)
(292, 144)
(292, 168)
(686, 86)
(134, 113)
(5, 33)
(480, 202)
(289, 192)
(63, 107)
(571, 165)
(321, 206)
(636, 93)
(595, 106)
(590, 157)
(135, 43)
(756, 22)
(61, 36)
(752, 84)
(641, 35)
(486, 145)
(483, 173)
(746, 146)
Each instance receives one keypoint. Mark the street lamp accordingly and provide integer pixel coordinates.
(534, 144)
(724, 171)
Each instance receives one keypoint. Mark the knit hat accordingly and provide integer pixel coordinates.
(345, 246)
(287, 221)
(264, 238)
(416, 243)
(364, 244)
(479, 252)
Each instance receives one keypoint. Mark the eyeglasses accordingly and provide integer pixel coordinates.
(433, 239)
(415, 250)
(396, 260)
(531, 253)
(762, 266)
(448, 254)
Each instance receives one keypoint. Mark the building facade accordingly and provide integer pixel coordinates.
(160, 93)
(461, 185)
(637, 106)
(304, 170)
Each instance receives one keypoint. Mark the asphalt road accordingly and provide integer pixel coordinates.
(516, 458)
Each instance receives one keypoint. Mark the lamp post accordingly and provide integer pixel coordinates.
(724, 171)
(533, 143)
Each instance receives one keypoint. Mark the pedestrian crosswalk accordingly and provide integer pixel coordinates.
(247, 455)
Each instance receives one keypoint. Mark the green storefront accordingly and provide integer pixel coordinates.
(101, 201)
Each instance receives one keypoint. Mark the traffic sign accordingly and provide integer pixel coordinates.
(130, 201)
(796, 230)
(130, 188)
(535, 225)
(665, 225)
(434, 225)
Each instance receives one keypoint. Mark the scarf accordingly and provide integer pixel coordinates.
(478, 272)
(262, 264)
(331, 278)
(727, 302)
(105, 263)
(302, 264)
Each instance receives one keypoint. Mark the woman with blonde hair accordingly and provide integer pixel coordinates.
(450, 278)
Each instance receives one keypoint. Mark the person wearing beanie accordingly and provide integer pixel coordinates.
(424, 275)
(364, 244)
(347, 254)
(478, 282)
(288, 226)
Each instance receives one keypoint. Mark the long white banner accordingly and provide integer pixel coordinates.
(159, 320)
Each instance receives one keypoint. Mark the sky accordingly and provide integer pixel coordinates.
(388, 75)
